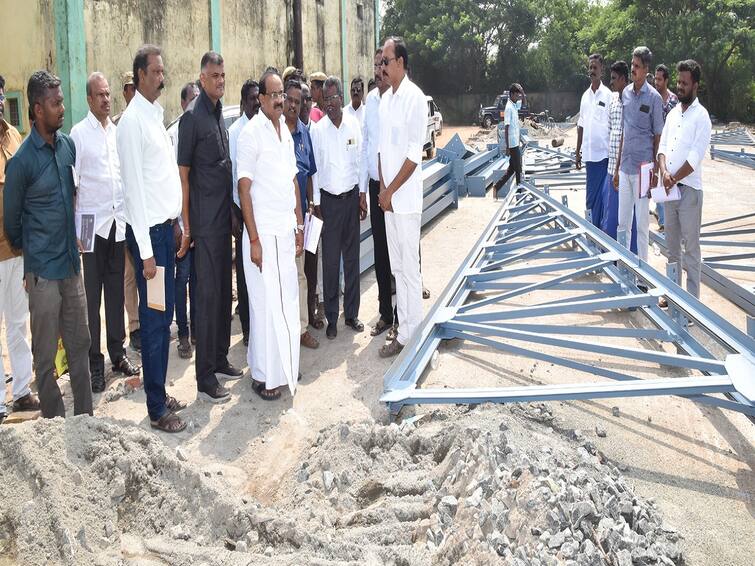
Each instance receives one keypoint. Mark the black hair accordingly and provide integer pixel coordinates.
(271, 71)
(210, 57)
(515, 87)
(399, 48)
(357, 81)
(643, 54)
(2, 82)
(371, 84)
(336, 82)
(39, 86)
(692, 67)
(141, 60)
(663, 69)
(185, 89)
(597, 56)
(247, 86)
(621, 69)
(292, 83)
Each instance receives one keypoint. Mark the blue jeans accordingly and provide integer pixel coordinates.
(661, 212)
(185, 275)
(595, 172)
(155, 324)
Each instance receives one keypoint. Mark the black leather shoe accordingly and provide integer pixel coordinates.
(355, 323)
(135, 340)
(126, 367)
(98, 381)
(217, 394)
(229, 372)
(331, 332)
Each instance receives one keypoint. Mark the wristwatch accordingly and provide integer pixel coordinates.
(300, 227)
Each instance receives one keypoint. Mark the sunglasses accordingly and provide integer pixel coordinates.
(384, 62)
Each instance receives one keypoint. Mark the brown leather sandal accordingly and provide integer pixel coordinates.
(169, 422)
(309, 341)
(173, 404)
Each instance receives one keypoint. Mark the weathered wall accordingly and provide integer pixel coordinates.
(360, 26)
(28, 38)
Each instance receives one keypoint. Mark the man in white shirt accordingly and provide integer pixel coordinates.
(152, 195)
(511, 135)
(356, 107)
(250, 105)
(100, 192)
(403, 123)
(336, 140)
(370, 177)
(684, 141)
(593, 132)
(273, 237)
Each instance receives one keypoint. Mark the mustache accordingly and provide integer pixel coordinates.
(162, 85)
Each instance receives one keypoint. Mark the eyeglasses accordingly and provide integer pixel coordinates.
(332, 97)
(387, 60)
(277, 95)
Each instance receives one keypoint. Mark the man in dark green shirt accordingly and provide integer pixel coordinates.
(39, 219)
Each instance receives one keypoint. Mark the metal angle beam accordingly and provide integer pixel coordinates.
(498, 322)
(737, 157)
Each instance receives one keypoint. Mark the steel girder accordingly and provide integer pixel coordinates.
(740, 137)
(728, 249)
(535, 244)
(737, 157)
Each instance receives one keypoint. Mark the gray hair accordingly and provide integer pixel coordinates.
(644, 55)
(95, 76)
(336, 82)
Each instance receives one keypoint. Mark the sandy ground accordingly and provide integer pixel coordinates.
(698, 463)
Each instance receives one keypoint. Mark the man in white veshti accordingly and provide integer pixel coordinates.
(273, 237)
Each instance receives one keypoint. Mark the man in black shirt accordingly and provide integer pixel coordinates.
(205, 167)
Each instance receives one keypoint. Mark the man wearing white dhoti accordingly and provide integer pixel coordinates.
(273, 237)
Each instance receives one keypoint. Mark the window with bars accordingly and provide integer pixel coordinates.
(13, 110)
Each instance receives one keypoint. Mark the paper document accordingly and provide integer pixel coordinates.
(312, 229)
(646, 174)
(659, 193)
(85, 223)
(156, 290)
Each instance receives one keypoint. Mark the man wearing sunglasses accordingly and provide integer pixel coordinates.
(403, 123)
(356, 108)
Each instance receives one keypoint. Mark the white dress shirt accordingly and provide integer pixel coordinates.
(358, 113)
(151, 184)
(270, 163)
(233, 141)
(403, 128)
(368, 160)
(98, 171)
(686, 137)
(337, 154)
(595, 121)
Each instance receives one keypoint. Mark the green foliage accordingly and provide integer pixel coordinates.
(461, 46)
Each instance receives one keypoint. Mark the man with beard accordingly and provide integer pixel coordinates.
(14, 304)
(305, 164)
(205, 167)
(669, 101)
(684, 141)
(369, 175)
(273, 237)
(100, 191)
(340, 203)
(152, 195)
(38, 200)
(592, 137)
(250, 105)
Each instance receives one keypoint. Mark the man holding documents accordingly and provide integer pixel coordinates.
(39, 219)
(273, 237)
(643, 124)
(305, 164)
(100, 194)
(337, 139)
(152, 195)
(684, 141)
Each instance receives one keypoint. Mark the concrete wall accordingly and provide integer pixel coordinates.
(253, 34)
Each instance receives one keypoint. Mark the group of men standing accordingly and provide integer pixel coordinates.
(638, 126)
(157, 201)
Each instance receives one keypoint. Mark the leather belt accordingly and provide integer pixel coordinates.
(342, 195)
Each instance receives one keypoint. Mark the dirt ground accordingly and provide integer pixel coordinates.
(696, 462)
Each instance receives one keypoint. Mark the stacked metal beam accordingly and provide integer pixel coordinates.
(738, 138)
(535, 245)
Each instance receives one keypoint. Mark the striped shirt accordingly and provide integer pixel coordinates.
(615, 125)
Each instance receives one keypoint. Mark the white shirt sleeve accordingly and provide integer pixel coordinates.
(417, 123)
(582, 108)
(663, 145)
(364, 160)
(314, 134)
(701, 142)
(361, 154)
(247, 153)
(129, 142)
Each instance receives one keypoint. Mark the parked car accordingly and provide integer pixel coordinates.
(429, 147)
(437, 116)
(230, 115)
(490, 115)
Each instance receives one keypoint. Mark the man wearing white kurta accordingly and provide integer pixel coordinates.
(273, 237)
(403, 123)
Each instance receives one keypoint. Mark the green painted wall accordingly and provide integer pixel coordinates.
(71, 58)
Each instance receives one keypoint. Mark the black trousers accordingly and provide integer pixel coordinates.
(382, 261)
(212, 263)
(310, 272)
(103, 269)
(340, 239)
(515, 167)
(241, 292)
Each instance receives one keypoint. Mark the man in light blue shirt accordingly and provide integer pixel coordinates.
(511, 136)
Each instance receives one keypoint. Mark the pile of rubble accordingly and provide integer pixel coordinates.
(486, 485)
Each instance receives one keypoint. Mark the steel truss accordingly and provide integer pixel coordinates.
(728, 247)
(740, 137)
(740, 157)
(536, 244)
